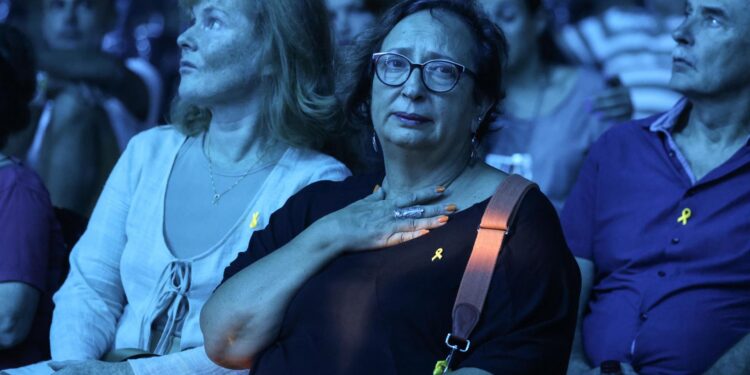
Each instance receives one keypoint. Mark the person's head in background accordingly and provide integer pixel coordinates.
(241, 54)
(77, 24)
(351, 17)
(712, 59)
(527, 28)
(17, 81)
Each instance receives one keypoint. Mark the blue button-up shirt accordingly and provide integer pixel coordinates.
(672, 254)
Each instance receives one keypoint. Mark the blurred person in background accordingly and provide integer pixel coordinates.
(351, 17)
(630, 40)
(552, 112)
(255, 103)
(659, 217)
(91, 102)
(30, 239)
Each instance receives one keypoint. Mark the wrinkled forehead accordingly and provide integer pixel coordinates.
(736, 13)
(427, 35)
(727, 6)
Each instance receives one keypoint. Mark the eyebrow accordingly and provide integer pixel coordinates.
(430, 55)
(213, 9)
(714, 11)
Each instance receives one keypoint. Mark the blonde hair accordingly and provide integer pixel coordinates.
(299, 107)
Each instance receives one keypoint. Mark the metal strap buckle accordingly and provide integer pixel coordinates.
(467, 344)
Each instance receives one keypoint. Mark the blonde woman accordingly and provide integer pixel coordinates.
(255, 101)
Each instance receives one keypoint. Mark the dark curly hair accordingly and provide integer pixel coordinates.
(355, 78)
(17, 81)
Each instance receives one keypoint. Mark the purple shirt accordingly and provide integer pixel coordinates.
(670, 296)
(30, 246)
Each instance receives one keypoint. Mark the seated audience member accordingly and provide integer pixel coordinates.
(350, 17)
(631, 42)
(255, 100)
(552, 112)
(92, 103)
(30, 239)
(660, 216)
(341, 283)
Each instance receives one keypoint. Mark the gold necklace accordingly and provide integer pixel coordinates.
(452, 178)
(216, 195)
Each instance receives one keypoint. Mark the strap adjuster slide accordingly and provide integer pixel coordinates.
(466, 344)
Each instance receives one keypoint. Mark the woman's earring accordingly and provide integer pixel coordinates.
(374, 143)
(474, 147)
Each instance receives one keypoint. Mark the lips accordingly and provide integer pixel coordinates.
(186, 64)
(411, 118)
(678, 60)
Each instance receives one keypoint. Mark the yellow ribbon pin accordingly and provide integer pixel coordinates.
(686, 213)
(438, 254)
(441, 367)
(254, 222)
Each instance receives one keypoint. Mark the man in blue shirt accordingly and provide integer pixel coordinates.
(659, 219)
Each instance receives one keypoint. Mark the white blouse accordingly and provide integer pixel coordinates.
(123, 276)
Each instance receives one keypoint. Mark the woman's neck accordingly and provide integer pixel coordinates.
(526, 88)
(410, 171)
(526, 76)
(235, 136)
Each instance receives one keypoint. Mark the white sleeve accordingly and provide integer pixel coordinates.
(90, 302)
(189, 362)
(334, 171)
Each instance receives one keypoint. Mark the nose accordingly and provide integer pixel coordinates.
(69, 12)
(414, 88)
(186, 41)
(340, 22)
(683, 34)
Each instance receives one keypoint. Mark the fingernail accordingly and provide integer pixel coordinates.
(451, 208)
(423, 232)
(443, 219)
(440, 189)
(377, 187)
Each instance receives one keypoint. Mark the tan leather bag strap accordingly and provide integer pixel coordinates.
(487, 248)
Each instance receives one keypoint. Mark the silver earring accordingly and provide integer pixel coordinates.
(474, 147)
(374, 143)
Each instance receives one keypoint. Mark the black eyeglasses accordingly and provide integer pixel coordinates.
(438, 76)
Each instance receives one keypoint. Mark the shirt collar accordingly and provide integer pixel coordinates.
(666, 122)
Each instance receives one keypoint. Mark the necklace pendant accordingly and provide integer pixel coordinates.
(215, 200)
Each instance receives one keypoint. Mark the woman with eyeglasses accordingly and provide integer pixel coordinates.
(360, 276)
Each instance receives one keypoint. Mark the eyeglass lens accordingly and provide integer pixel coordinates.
(437, 75)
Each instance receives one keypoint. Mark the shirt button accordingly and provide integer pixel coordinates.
(661, 273)
(675, 240)
(671, 154)
(644, 316)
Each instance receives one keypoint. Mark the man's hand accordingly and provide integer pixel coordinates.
(91, 367)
